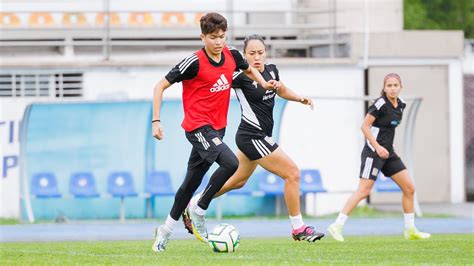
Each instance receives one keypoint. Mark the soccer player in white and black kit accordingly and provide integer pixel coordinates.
(254, 136)
(207, 78)
(383, 116)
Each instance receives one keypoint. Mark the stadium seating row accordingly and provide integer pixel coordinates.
(78, 19)
(158, 183)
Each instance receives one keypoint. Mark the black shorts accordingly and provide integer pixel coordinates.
(371, 164)
(255, 145)
(207, 144)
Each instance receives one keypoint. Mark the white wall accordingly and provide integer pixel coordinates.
(328, 138)
(383, 15)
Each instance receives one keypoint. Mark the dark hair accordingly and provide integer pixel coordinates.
(212, 22)
(390, 75)
(253, 37)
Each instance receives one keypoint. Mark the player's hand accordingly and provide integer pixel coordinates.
(273, 85)
(157, 130)
(382, 152)
(307, 101)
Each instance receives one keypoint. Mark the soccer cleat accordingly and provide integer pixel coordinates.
(198, 224)
(413, 234)
(336, 231)
(187, 220)
(306, 233)
(161, 239)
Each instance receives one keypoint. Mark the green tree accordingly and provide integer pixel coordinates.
(440, 14)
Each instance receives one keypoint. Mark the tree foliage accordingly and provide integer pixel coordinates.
(440, 14)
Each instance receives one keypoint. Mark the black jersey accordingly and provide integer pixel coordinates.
(387, 118)
(256, 102)
(188, 68)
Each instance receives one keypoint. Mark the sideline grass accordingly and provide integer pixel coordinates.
(440, 249)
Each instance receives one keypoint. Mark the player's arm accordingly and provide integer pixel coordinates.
(253, 74)
(160, 87)
(366, 125)
(286, 93)
(186, 69)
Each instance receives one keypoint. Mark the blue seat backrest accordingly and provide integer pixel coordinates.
(270, 183)
(385, 184)
(83, 185)
(45, 185)
(159, 183)
(311, 181)
(120, 184)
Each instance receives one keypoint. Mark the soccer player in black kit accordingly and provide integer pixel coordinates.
(254, 137)
(383, 116)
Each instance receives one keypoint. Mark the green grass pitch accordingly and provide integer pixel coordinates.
(440, 249)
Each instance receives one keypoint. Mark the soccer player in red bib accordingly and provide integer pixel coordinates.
(207, 79)
(254, 137)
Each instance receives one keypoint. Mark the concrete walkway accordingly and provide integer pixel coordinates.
(465, 210)
(249, 228)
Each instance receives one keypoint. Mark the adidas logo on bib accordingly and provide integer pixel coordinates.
(221, 84)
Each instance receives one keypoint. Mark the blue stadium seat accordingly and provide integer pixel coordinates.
(270, 184)
(385, 184)
(44, 185)
(311, 182)
(158, 183)
(120, 184)
(82, 185)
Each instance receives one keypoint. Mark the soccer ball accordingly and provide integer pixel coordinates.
(224, 238)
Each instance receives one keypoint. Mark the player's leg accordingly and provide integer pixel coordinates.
(241, 176)
(197, 167)
(212, 149)
(246, 154)
(369, 169)
(399, 174)
(279, 163)
(228, 164)
(402, 179)
(363, 190)
(237, 180)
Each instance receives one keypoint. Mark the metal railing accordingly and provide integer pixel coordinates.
(282, 29)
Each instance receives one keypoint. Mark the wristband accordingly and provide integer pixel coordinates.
(156, 120)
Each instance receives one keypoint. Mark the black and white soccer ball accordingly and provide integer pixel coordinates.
(224, 238)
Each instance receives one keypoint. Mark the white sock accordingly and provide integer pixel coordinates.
(170, 223)
(409, 220)
(194, 200)
(341, 218)
(200, 211)
(296, 221)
